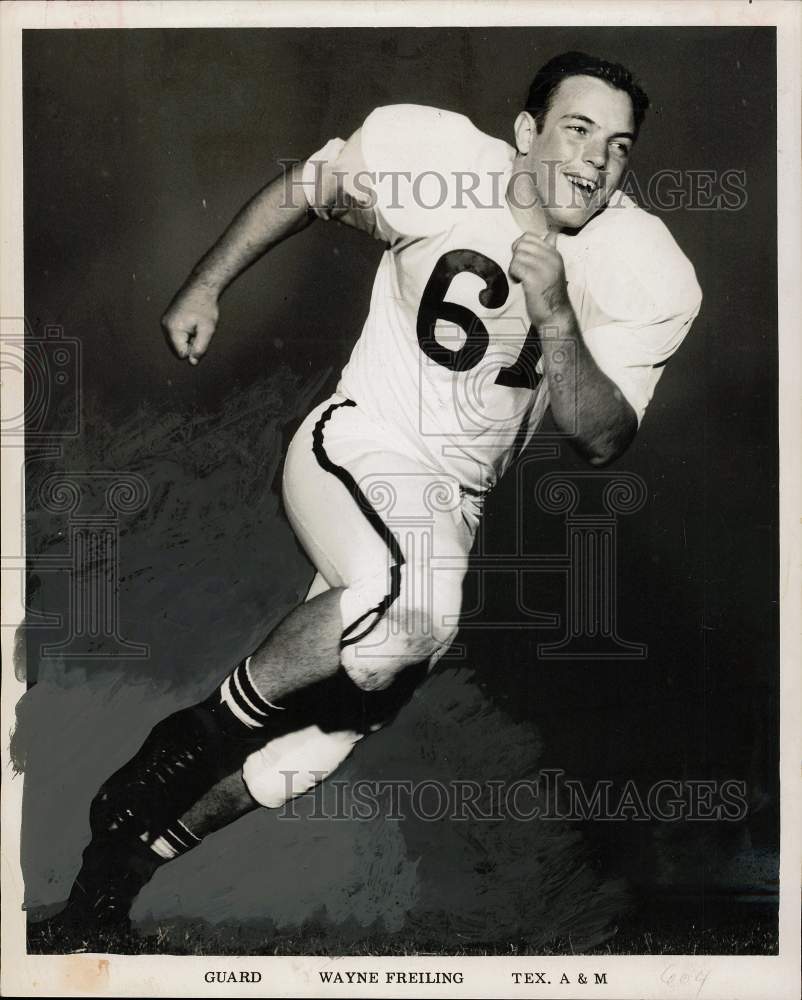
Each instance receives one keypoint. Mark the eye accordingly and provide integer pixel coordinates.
(620, 148)
(578, 128)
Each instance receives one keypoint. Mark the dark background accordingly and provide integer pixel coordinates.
(139, 146)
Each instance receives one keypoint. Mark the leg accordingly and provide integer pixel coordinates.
(303, 649)
(291, 764)
(381, 616)
(194, 748)
(399, 532)
(186, 780)
(230, 798)
(226, 801)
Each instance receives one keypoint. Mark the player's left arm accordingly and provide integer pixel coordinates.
(584, 401)
(600, 389)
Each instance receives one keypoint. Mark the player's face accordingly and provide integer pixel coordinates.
(579, 157)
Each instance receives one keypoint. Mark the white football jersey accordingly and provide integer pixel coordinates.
(446, 358)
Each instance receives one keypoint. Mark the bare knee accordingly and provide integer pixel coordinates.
(407, 636)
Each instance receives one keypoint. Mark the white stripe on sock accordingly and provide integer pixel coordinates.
(233, 707)
(187, 830)
(248, 701)
(163, 849)
(248, 674)
(174, 840)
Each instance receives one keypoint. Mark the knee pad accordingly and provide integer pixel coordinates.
(291, 764)
(394, 620)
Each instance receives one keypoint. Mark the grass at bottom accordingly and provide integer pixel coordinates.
(757, 936)
(752, 931)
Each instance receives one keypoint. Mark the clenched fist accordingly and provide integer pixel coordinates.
(538, 266)
(190, 322)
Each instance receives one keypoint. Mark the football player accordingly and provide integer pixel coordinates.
(514, 278)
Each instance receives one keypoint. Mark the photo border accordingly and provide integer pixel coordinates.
(659, 976)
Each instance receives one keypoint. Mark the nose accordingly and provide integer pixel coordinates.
(596, 154)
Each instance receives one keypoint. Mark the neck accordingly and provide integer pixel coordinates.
(525, 204)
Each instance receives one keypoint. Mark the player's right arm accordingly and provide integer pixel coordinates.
(268, 218)
(353, 182)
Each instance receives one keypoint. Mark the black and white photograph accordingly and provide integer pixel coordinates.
(400, 500)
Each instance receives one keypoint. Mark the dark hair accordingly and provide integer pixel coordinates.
(550, 76)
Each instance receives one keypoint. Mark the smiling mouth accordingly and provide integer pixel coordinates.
(585, 187)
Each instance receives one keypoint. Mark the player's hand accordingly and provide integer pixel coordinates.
(538, 266)
(190, 322)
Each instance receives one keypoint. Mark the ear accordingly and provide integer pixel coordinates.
(524, 132)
